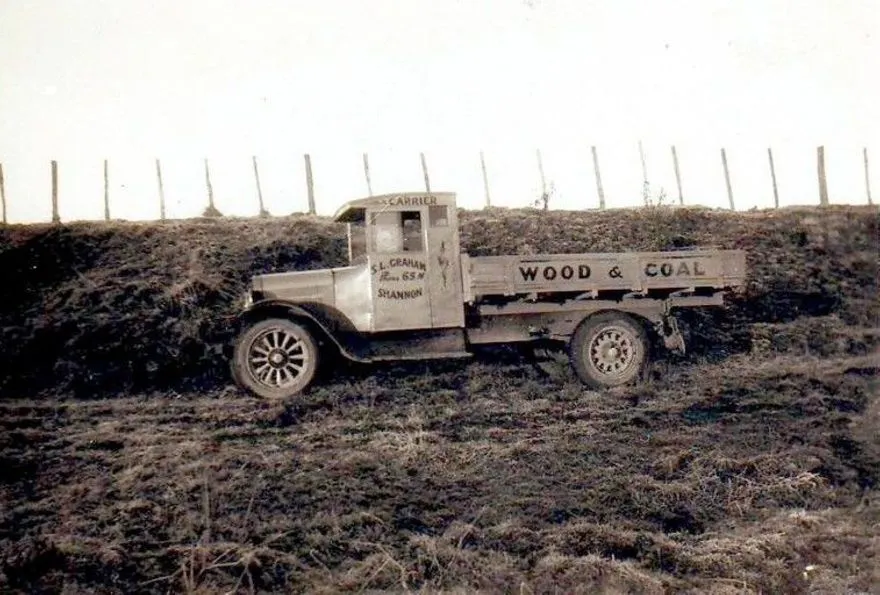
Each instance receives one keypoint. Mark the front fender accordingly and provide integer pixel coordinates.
(333, 325)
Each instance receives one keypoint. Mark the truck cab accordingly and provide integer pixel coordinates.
(409, 292)
(409, 245)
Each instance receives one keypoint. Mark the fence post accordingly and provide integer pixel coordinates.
(425, 172)
(864, 153)
(212, 210)
(646, 189)
(106, 192)
(2, 194)
(545, 198)
(263, 212)
(367, 175)
(727, 179)
(161, 191)
(677, 175)
(310, 184)
(599, 190)
(823, 182)
(773, 178)
(485, 180)
(56, 218)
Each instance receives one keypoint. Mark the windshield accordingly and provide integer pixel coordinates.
(357, 243)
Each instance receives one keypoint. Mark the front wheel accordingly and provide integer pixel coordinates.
(608, 350)
(275, 359)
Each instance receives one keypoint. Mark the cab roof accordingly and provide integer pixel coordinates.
(355, 210)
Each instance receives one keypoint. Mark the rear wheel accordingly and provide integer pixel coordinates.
(275, 358)
(609, 349)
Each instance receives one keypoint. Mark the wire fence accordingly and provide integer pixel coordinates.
(543, 200)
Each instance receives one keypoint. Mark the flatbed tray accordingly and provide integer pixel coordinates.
(602, 272)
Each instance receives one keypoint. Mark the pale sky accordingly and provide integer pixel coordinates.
(183, 80)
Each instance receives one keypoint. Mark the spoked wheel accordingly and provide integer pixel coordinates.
(275, 359)
(608, 350)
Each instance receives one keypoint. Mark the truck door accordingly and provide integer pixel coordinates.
(444, 268)
(399, 266)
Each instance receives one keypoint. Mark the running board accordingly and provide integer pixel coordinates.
(411, 345)
(422, 356)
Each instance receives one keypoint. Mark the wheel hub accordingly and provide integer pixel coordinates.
(277, 358)
(611, 351)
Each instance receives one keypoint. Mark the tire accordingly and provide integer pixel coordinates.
(609, 349)
(275, 359)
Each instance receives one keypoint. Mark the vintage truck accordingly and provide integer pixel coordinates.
(410, 293)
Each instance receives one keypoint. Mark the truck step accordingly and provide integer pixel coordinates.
(422, 356)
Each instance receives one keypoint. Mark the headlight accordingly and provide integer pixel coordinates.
(248, 300)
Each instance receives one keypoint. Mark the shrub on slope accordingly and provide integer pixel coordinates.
(95, 307)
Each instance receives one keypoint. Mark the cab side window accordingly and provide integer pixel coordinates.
(439, 215)
(396, 231)
(385, 231)
(413, 232)
(357, 242)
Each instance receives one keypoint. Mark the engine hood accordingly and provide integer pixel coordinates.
(301, 286)
(345, 289)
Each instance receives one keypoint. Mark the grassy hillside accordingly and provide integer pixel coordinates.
(98, 308)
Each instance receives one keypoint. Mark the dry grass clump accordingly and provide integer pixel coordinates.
(818, 336)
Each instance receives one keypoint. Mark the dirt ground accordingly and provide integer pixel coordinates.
(128, 464)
